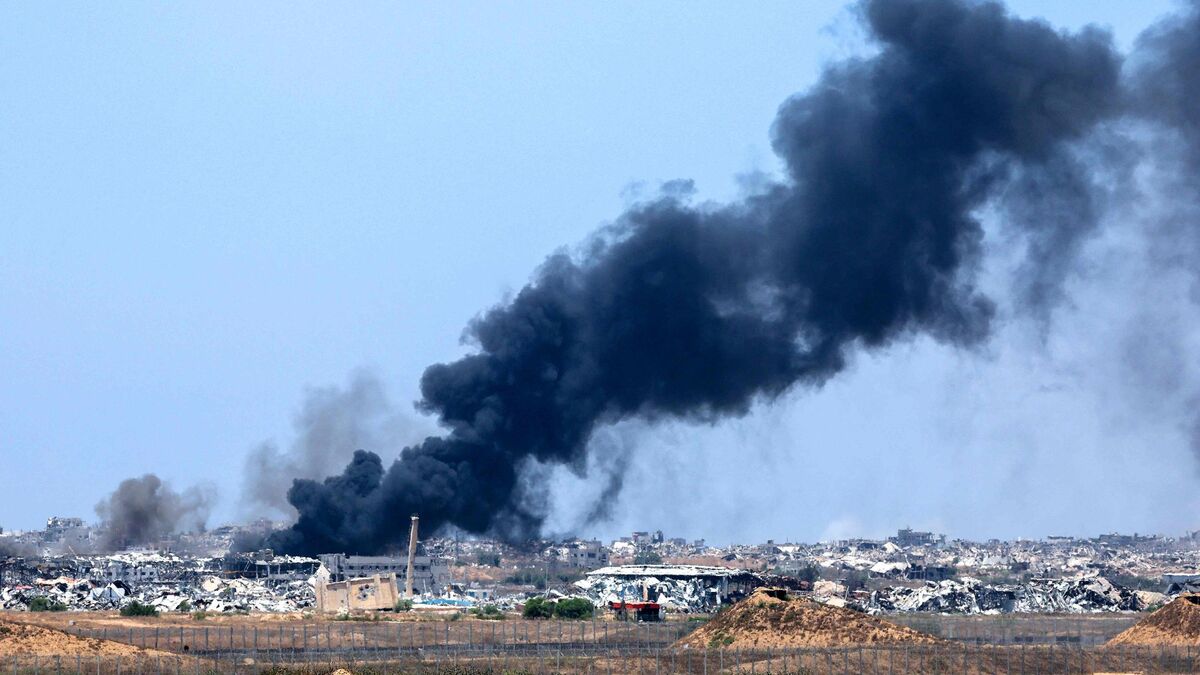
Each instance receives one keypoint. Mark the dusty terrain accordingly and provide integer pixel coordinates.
(24, 639)
(766, 621)
(1178, 624)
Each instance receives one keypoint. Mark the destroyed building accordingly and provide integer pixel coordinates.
(585, 554)
(373, 593)
(681, 588)
(430, 574)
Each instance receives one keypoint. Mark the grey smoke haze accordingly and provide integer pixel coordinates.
(144, 510)
(11, 548)
(1164, 82)
(330, 425)
(699, 312)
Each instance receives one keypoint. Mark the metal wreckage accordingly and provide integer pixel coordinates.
(231, 583)
(1075, 595)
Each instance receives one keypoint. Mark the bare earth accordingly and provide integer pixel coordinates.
(24, 639)
(1178, 624)
(762, 621)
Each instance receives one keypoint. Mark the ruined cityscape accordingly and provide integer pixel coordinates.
(664, 577)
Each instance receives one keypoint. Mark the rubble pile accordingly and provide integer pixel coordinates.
(768, 619)
(211, 594)
(678, 588)
(679, 595)
(1176, 624)
(166, 581)
(1075, 595)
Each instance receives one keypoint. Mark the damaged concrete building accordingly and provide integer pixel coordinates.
(681, 588)
(430, 574)
(373, 593)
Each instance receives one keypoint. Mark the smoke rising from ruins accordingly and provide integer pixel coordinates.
(143, 510)
(696, 312)
(331, 423)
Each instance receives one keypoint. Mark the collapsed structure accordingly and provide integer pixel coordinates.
(1076, 595)
(680, 588)
(169, 582)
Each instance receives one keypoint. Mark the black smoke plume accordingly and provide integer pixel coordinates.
(331, 424)
(696, 312)
(144, 510)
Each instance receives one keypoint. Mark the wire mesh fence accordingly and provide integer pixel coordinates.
(1087, 630)
(957, 658)
(317, 635)
(336, 636)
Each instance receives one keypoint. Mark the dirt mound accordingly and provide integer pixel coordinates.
(1176, 624)
(23, 639)
(768, 619)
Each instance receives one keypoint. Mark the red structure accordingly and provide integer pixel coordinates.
(639, 611)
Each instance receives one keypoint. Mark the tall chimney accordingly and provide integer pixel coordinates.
(412, 552)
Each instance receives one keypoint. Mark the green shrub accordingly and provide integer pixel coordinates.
(647, 558)
(44, 604)
(538, 608)
(574, 608)
(199, 616)
(136, 608)
(403, 605)
(185, 607)
(488, 612)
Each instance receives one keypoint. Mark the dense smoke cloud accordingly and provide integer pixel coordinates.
(1164, 84)
(144, 510)
(697, 312)
(331, 424)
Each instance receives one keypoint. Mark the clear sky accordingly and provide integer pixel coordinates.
(206, 208)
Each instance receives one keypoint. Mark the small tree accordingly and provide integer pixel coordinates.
(403, 605)
(538, 608)
(43, 604)
(809, 573)
(574, 608)
(136, 608)
(488, 612)
(647, 558)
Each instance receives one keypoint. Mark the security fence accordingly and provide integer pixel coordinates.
(946, 658)
(388, 636)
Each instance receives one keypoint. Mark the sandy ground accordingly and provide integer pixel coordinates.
(24, 639)
(763, 621)
(1178, 623)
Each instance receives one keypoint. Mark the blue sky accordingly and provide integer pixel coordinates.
(207, 208)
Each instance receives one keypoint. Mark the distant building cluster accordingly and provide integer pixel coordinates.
(912, 570)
